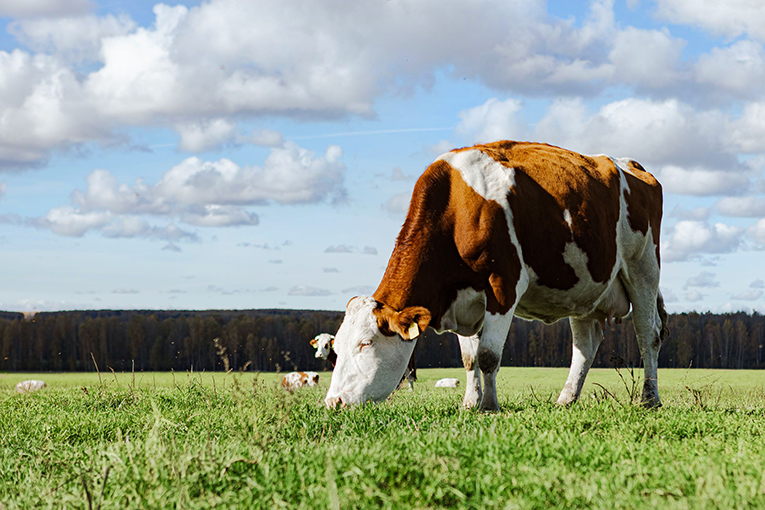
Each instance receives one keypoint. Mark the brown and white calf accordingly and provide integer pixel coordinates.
(511, 229)
(323, 344)
(297, 380)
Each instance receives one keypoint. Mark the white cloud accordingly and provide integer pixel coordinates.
(28, 8)
(697, 213)
(129, 227)
(218, 216)
(3, 188)
(302, 290)
(701, 182)
(289, 175)
(646, 58)
(360, 290)
(748, 295)
(733, 69)
(68, 221)
(731, 18)
(757, 284)
(206, 135)
(397, 204)
(669, 296)
(74, 39)
(666, 132)
(494, 120)
(705, 279)
(369, 250)
(694, 296)
(757, 232)
(689, 239)
(196, 192)
(742, 207)
(264, 138)
(340, 248)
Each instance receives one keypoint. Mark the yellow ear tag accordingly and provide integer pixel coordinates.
(414, 331)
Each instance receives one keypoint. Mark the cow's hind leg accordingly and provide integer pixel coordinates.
(649, 319)
(587, 334)
(490, 346)
(469, 348)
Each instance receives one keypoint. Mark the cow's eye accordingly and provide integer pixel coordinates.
(365, 343)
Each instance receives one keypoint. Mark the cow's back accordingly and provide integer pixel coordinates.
(572, 218)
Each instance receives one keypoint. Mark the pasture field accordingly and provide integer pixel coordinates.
(183, 440)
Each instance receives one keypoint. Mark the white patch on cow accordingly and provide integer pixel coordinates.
(447, 382)
(30, 386)
(465, 315)
(369, 364)
(492, 180)
(567, 218)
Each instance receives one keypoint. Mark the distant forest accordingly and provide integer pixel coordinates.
(278, 340)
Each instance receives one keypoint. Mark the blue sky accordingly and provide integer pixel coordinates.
(231, 154)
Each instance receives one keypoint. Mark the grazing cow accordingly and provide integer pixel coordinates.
(30, 386)
(504, 229)
(447, 382)
(297, 380)
(324, 342)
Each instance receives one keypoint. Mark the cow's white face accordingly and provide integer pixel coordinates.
(323, 344)
(370, 363)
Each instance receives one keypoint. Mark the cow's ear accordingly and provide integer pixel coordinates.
(331, 341)
(314, 342)
(409, 323)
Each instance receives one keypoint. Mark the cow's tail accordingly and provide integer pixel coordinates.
(664, 329)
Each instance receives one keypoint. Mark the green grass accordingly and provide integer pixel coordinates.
(216, 440)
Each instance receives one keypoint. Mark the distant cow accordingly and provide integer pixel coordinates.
(511, 229)
(296, 380)
(447, 382)
(323, 343)
(30, 386)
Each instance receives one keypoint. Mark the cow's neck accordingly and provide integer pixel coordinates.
(425, 268)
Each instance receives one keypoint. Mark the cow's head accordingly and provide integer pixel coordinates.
(323, 343)
(373, 347)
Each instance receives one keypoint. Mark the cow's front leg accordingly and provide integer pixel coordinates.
(469, 349)
(490, 346)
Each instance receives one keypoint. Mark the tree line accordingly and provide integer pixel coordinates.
(278, 340)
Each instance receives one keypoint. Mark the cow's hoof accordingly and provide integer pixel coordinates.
(566, 398)
(489, 407)
(470, 403)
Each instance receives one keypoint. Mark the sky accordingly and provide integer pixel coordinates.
(230, 154)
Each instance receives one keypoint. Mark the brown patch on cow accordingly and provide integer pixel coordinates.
(452, 239)
(644, 203)
(548, 181)
(487, 361)
(468, 360)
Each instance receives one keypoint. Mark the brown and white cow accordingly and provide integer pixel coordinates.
(297, 380)
(323, 343)
(504, 229)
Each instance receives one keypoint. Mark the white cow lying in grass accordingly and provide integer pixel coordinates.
(296, 380)
(30, 386)
(447, 382)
